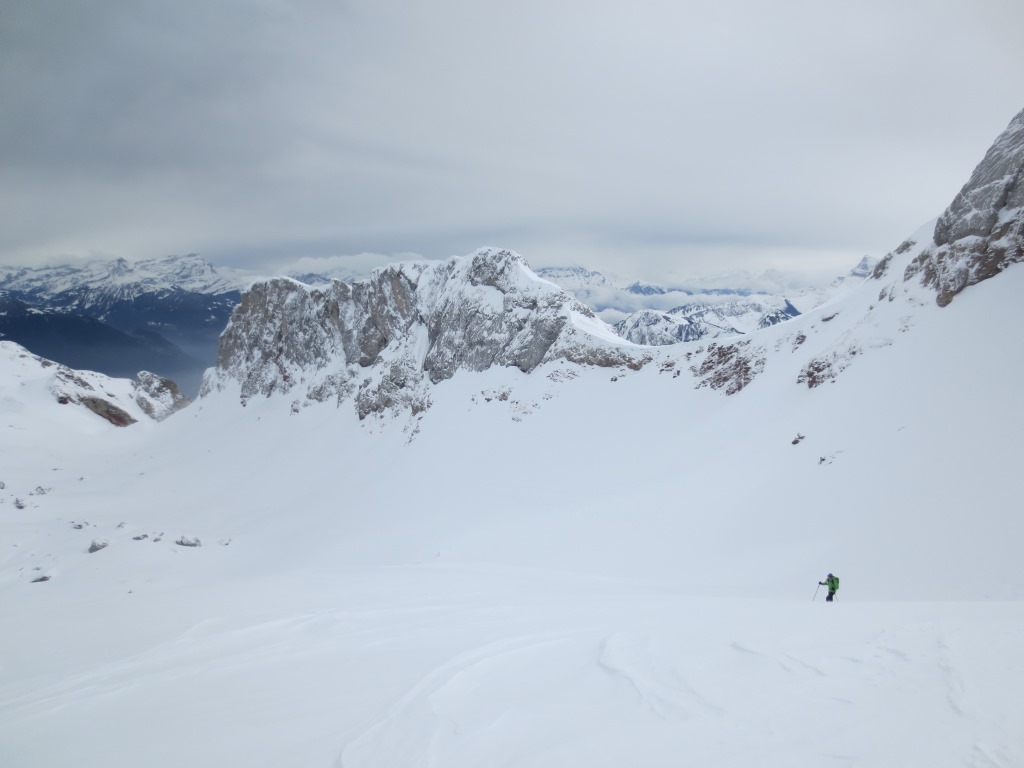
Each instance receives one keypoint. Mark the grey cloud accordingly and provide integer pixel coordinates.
(653, 137)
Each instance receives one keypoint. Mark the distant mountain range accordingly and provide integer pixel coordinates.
(698, 320)
(82, 342)
(161, 315)
(650, 314)
(166, 315)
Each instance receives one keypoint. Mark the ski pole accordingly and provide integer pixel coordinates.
(815, 593)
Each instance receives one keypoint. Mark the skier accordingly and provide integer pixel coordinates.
(833, 584)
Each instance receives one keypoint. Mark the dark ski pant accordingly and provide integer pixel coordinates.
(829, 596)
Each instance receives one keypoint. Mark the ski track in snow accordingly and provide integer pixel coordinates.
(429, 702)
(484, 702)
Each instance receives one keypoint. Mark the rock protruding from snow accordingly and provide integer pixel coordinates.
(158, 396)
(385, 340)
(982, 231)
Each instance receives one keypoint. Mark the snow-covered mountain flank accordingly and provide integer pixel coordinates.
(444, 516)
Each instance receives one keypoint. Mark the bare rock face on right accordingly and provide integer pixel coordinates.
(982, 231)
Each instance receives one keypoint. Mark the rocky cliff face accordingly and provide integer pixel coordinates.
(383, 341)
(982, 231)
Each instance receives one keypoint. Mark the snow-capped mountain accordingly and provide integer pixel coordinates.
(162, 314)
(694, 321)
(863, 269)
(613, 299)
(443, 516)
(646, 289)
(102, 282)
(646, 313)
(320, 279)
(383, 342)
(577, 281)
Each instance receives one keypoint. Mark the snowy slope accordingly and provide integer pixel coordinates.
(34, 389)
(565, 563)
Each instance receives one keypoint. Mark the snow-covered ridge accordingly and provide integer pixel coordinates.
(36, 385)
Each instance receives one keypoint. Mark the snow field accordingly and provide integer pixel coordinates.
(469, 666)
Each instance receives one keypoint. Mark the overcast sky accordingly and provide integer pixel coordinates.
(655, 140)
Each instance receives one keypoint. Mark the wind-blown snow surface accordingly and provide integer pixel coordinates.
(577, 566)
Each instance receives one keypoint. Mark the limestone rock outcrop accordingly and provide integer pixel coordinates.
(982, 231)
(384, 341)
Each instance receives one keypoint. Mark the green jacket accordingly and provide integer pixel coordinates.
(832, 582)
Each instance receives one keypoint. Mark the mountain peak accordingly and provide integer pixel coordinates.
(384, 340)
(864, 267)
(646, 289)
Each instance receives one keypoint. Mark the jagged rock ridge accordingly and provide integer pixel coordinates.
(384, 340)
